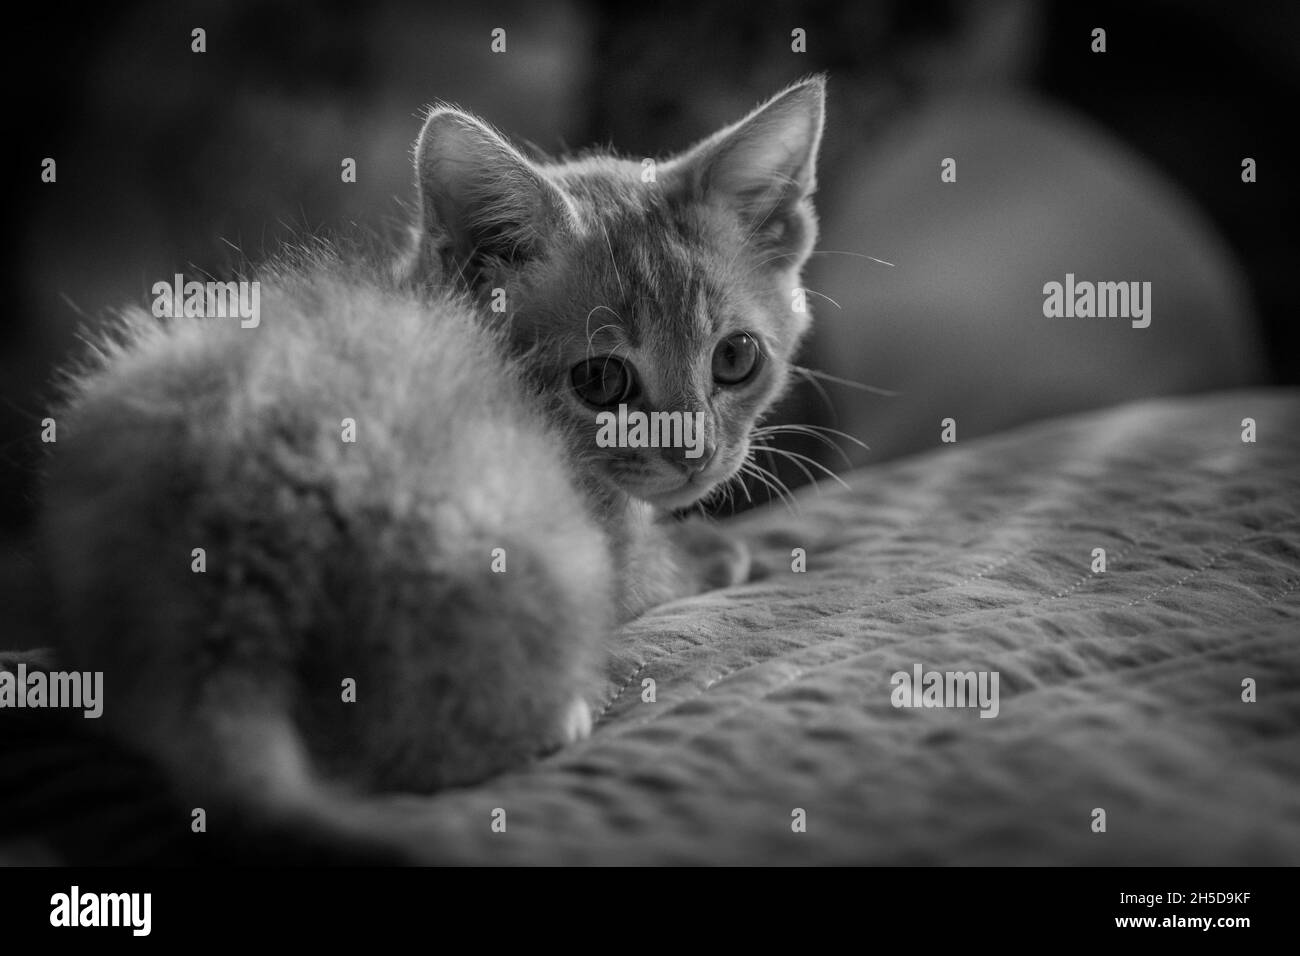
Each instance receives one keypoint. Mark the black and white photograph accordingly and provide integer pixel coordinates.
(713, 434)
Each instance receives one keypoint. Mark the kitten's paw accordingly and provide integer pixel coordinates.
(576, 724)
(726, 567)
(715, 559)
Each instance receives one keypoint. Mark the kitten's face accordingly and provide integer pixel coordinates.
(634, 296)
(663, 309)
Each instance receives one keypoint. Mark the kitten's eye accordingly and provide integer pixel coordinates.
(736, 359)
(603, 381)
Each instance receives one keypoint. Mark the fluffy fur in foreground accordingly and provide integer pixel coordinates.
(325, 560)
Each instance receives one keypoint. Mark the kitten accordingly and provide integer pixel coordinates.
(369, 567)
(675, 294)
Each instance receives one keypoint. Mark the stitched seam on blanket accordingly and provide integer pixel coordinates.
(1025, 605)
(640, 667)
(1214, 558)
(628, 683)
(1033, 542)
(1017, 607)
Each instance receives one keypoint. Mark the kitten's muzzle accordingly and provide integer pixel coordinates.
(692, 467)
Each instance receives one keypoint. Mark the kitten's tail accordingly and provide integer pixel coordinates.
(272, 805)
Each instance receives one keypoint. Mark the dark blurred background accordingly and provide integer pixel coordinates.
(1123, 165)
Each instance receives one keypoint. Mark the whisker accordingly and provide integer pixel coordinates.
(826, 399)
(795, 456)
(826, 441)
(772, 482)
(826, 376)
(739, 479)
(607, 325)
(826, 297)
(859, 255)
(747, 470)
(823, 252)
(768, 450)
(613, 353)
(699, 506)
(613, 263)
(722, 495)
(786, 495)
(812, 431)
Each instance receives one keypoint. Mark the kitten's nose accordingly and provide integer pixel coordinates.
(692, 466)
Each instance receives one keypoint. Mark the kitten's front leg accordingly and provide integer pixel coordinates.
(707, 557)
(666, 559)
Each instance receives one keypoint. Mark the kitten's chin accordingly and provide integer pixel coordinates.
(683, 496)
(665, 495)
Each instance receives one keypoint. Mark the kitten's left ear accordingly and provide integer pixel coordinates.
(481, 201)
(764, 167)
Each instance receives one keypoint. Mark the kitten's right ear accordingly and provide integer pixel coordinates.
(481, 202)
(763, 169)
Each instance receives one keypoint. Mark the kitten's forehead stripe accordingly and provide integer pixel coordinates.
(656, 271)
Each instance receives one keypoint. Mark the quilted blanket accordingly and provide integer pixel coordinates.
(1148, 708)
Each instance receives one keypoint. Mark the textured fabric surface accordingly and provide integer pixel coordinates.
(1119, 690)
